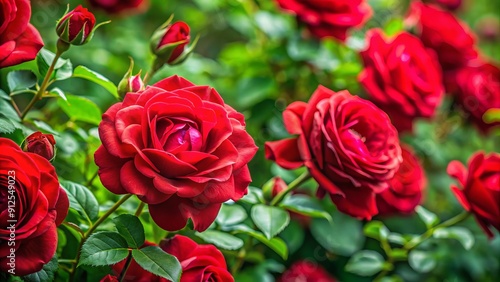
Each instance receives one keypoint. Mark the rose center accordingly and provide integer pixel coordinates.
(185, 136)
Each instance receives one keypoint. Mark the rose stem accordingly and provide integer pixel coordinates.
(301, 179)
(125, 267)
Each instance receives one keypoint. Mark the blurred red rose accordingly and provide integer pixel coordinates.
(441, 31)
(329, 18)
(449, 4)
(179, 148)
(200, 263)
(41, 144)
(348, 145)
(119, 6)
(306, 271)
(479, 191)
(401, 77)
(40, 206)
(76, 26)
(19, 40)
(478, 90)
(405, 189)
(169, 42)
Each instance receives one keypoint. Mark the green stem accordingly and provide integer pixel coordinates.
(294, 184)
(140, 208)
(157, 64)
(420, 239)
(240, 258)
(92, 229)
(125, 267)
(43, 87)
(91, 180)
(70, 261)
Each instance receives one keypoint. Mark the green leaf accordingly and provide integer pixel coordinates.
(45, 127)
(8, 111)
(81, 109)
(104, 248)
(81, 199)
(45, 274)
(305, 205)
(158, 262)
(6, 126)
(394, 26)
(21, 79)
(397, 238)
(426, 216)
(421, 261)
(220, 239)
(491, 116)
(294, 236)
(130, 227)
(85, 73)
(4, 95)
(231, 214)
(62, 70)
(365, 263)
(376, 230)
(344, 236)
(58, 92)
(275, 244)
(463, 235)
(254, 196)
(270, 220)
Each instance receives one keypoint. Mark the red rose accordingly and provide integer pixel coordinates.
(444, 33)
(170, 41)
(348, 145)
(110, 278)
(76, 26)
(478, 90)
(40, 205)
(328, 18)
(200, 263)
(41, 144)
(19, 40)
(179, 148)
(479, 191)
(449, 4)
(405, 189)
(401, 78)
(119, 6)
(306, 271)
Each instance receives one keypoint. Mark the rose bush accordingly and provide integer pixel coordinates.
(30, 195)
(401, 77)
(328, 18)
(479, 188)
(348, 145)
(179, 148)
(405, 189)
(19, 40)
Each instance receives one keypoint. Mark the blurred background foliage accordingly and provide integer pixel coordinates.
(259, 60)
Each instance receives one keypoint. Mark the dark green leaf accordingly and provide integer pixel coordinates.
(293, 235)
(305, 205)
(104, 248)
(365, 263)
(8, 111)
(421, 261)
(463, 235)
(21, 79)
(45, 274)
(85, 73)
(220, 239)
(81, 109)
(6, 126)
(231, 214)
(271, 220)
(4, 95)
(130, 227)
(275, 244)
(81, 199)
(158, 262)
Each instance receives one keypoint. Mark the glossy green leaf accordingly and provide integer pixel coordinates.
(158, 262)
(221, 239)
(463, 235)
(81, 199)
(365, 263)
(62, 70)
(21, 79)
(104, 248)
(429, 218)
(254, 196)
(376, 230)
(421, 261)
(81, 109)
(270, 220)
(130, 227)
(305, 205)
(231, 214)
(45, 274)
(88, 74)
(275, 244)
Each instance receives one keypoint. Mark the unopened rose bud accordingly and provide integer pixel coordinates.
(41, 144)
(273, 187)
(169, 42)
(130, 83)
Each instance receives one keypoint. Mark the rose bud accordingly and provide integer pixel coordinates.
(478, 189)
(273, 187)
(41, 144)
(169, 42)
(76, 27)
(130, 83)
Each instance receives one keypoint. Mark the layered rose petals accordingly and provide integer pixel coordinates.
(179, 148)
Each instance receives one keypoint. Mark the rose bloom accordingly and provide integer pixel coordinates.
(405, 189)
(120, 6)
(478, 90)
(329, 18)
(479, 188)
(179, 148)
(401, 77)
(306, 271)
(19, 40)
(348, 145)
(200, 263)
(41, 144)
(29, 194)
(441, 31)
(449, 4)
